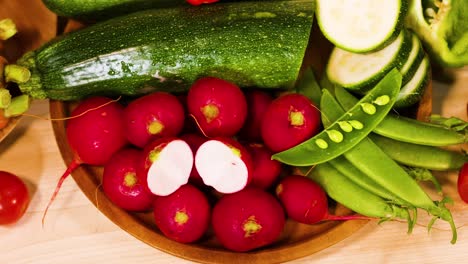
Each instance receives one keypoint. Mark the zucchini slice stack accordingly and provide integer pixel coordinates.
(370, 40)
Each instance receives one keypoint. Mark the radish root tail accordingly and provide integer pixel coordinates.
(73, 165)
(72, 117)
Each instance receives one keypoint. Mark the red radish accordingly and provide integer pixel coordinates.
(194, 141)
(218, 106)
(246, 220)
(165, 165)
(462, 183)
(190, 125)
(305, 201)
(265, 170)
(289, 120)
(158, 114)
(184, 215)
(121, 184)
(224, 164)
(14, 198)
(258, 102)
(95, 132)
(199, 2)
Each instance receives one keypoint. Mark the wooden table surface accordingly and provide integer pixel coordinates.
(76, 232)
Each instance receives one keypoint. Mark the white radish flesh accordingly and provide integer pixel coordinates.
(171, 169)
(221, 167)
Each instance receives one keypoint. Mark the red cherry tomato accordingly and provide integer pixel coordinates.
(199, 2)
(14, 198)
(463, 183)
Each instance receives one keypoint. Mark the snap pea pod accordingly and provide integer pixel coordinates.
(371, 160)
(428, 157)
(347, 169)
(407, 129)
(362, 180)
(349, 129)
(361, 201)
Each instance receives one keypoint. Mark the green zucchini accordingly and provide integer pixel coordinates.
(98, 10)
(104, 9)
(252, 44)
(361, 26)
(359, 72)
(415, 57)
(413, 91)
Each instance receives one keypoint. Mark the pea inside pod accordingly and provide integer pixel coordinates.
(407, 129)
(334, 140)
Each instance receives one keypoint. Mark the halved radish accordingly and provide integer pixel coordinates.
(195, 141)
(166, 165)
(224, 164)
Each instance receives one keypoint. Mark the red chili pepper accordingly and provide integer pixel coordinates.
(462, 183)
(199, 2)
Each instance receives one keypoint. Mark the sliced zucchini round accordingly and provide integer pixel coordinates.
(413, 91)
(361, 25)
(360, 72)
(415, 57)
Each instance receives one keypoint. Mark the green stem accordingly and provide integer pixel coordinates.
(5, 98)
(7, 29)
(17, 74)
(18, 106)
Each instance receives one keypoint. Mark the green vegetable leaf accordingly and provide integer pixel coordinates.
(307, 85)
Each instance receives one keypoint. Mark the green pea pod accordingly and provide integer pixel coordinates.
(421, 156)
(361, 201)
(408, 129)
(334, 141)
(362, 180)
(377, 165)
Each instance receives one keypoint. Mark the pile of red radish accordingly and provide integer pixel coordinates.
(202, 160)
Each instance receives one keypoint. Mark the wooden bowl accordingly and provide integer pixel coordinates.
(296, 241)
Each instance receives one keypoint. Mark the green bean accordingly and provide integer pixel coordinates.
(428, 157)
(333, 141)
(407, 129)
(362, 180)
(347, 193)
(370, 159)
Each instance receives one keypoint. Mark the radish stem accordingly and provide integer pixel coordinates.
(347, 217)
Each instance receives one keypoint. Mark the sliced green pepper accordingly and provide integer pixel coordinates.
(442, 26)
